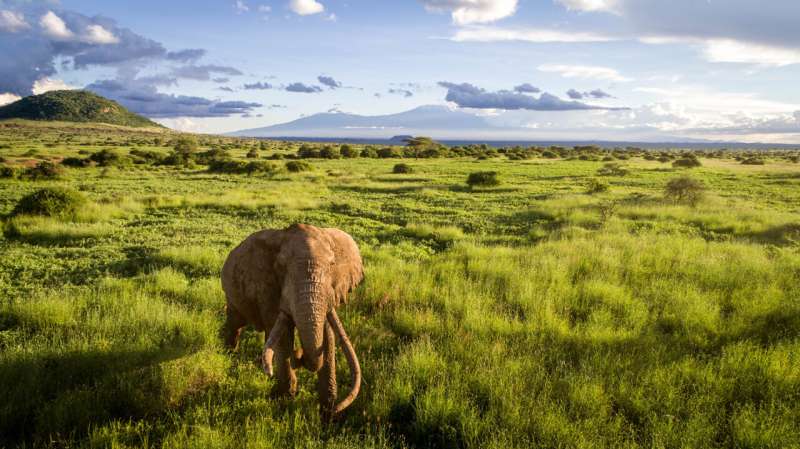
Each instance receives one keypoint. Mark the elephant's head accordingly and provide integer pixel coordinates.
(315, 265)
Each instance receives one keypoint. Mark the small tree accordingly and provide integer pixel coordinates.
(596, 186)
(687, 162)
(612, 169)
(685, 189)
(252, 154)
(185, 145)
(402, 169)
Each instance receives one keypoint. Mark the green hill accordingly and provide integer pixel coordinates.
(73, 106)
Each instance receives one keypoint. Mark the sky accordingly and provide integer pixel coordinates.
(550, 69)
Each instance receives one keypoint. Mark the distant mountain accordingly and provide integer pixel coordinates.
(423, 120)
(73, 106)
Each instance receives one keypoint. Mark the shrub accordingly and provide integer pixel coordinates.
(51, 202)
(76, 162)
(612, 169)
(329, 152)
(44, 170)
(389, 152)
(549, 154)
(8, 172)
(185, 145)
(685, 190)
(232, 166)
(252, 154)
(369, 152)
(298, 166)
(348, 151)
(109, 158)
(306, 152)
(402, 168)
(596, 186)
(687, 162)
(146, 156)
(483, 178)
(753, 161)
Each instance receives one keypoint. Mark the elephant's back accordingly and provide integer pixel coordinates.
(248, 279)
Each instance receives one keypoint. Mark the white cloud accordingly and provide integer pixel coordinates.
(43, 85)
(96, 34)
(589, 5)
(726, 50)
(306, 7)
(11, 21)
(585, 71)
(54, 27)
(7, 98)
(264, 8)
(495, 34)
(465, 12)
(241, 6)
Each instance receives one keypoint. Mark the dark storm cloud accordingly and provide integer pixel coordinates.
(329, 82)
(526, 88)
(597, 94)
(144, 98)
(258, 86)
(467, 95)
(303, 88)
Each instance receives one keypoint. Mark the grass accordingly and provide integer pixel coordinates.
(528, 315)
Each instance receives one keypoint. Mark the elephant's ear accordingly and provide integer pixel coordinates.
(348, 270)
(251, 276)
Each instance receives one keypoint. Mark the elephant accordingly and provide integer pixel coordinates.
(279, 280)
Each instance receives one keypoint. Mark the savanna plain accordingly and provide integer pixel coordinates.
(580, 302)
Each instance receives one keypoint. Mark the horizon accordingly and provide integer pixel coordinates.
(571, 70)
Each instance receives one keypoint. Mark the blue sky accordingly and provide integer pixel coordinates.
(605, 69)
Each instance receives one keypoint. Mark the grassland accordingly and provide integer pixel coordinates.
(531, 314)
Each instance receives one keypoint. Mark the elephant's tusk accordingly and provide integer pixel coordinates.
(352, 360)
(274, 336)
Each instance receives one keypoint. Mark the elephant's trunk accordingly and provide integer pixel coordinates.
(309, 317)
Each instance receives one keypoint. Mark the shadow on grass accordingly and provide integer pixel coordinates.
(786, 234)
(60, 395)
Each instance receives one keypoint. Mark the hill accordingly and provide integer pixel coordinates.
(73, 106)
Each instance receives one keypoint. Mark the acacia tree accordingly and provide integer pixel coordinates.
(420, 144)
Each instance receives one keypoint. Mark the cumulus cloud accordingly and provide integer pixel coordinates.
(12, 22)
(46, 85)
(7, 98)
(306, 7)
(329, 81)
(583, 71)
(465, 12)
(404, 92)
(240, 6)
(145, 99)
(54, 27)
(258, 86)
(303, 88)
(526, 88)
(466, 95)
(96, 34)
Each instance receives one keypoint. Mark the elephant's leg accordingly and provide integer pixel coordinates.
(234, 322)
(326, 377)
(284, 373)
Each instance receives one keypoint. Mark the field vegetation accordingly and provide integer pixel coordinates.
(583, 297)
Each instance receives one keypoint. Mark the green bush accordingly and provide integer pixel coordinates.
(252, 154)
(687, 162)
(76, 162)
(110, 158)
(329, 152)
(51, 202)
(369, 152)
(348, 151)
(44, 170)
(232, 166)
(684, 190)
(402, 168)
(146, 156)
(483, 179)
(389, 152)
(612, 169)
(8, 172)
(753, 161)
(298, 166)
(596, 186)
